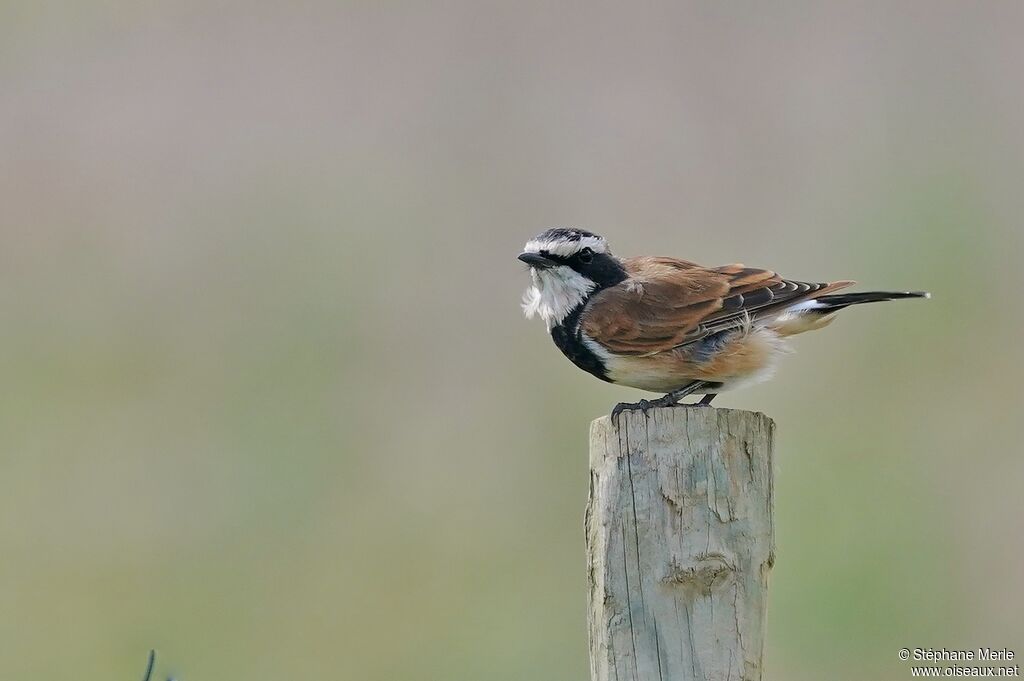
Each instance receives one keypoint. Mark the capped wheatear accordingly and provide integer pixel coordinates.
(669, 325)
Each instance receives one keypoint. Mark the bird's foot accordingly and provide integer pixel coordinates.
(645, 406)
(669, 400)
(642, 405)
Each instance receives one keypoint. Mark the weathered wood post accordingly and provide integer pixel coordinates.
(680, 540)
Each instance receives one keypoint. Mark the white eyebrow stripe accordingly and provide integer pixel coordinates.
(567, 247)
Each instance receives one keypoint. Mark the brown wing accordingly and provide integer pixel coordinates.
(667, 303)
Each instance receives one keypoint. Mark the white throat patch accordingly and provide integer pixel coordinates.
(555, 292)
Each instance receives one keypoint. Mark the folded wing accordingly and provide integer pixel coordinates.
(667, 303)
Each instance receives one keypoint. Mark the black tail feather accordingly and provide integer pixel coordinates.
(838, 301)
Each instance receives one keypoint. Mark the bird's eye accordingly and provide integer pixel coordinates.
(585, 255)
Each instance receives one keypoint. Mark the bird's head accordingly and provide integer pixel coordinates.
(566, 266)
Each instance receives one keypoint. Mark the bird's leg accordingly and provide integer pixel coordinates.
(669, 400)
(672, 399)
(706, 400)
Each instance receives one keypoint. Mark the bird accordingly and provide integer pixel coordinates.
(668, 325)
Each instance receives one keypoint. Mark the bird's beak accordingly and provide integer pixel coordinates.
(537, 260)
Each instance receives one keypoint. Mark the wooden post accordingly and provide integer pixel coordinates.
(680, 540)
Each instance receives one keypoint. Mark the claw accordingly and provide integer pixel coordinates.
(642, 405)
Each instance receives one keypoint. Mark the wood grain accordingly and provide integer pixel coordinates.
(680, 541)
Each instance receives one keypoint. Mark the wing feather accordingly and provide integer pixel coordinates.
(667, 303)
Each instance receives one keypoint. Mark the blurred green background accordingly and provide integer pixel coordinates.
(269, 404)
